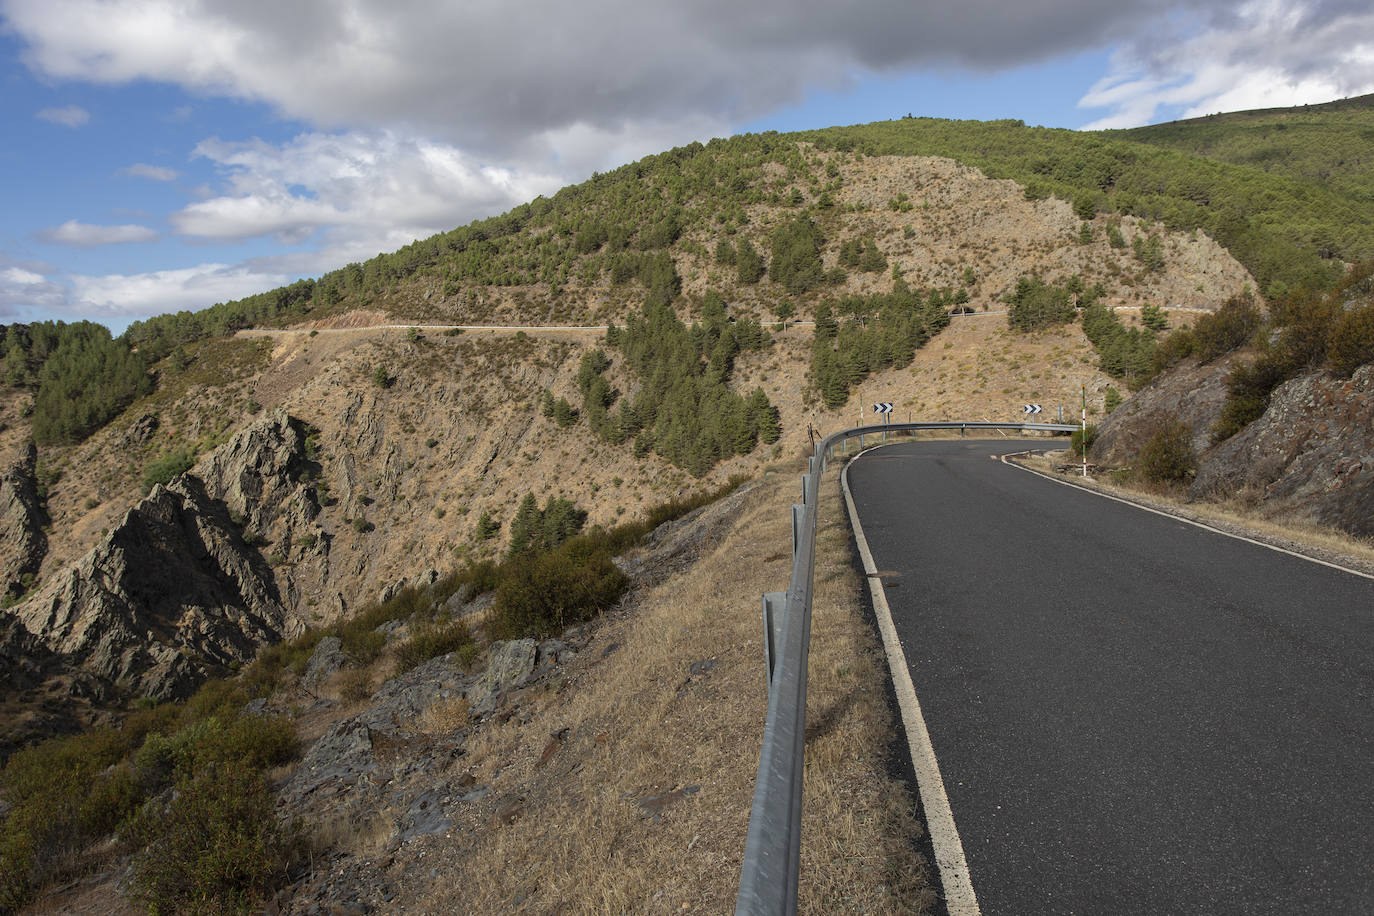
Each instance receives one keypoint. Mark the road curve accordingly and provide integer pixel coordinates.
(1130, 714)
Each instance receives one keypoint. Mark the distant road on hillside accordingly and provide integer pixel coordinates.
(534, 328)
(1130, 714)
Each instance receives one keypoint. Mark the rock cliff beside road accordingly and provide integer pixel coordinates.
(1309, 458)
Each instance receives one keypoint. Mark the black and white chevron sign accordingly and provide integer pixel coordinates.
(882, 407)
(1031, 408)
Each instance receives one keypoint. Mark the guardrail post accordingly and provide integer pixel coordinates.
(774, 604)
(797, 522)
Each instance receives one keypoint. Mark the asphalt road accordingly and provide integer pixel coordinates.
(1131, 714)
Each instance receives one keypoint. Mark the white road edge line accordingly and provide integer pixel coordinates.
(1178, 518)
(960, 899)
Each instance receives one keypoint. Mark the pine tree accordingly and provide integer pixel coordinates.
(748, 263)
(526, 527)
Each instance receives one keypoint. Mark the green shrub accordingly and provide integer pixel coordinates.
(217, 847)
(1036, 304)
(355, 686)
(548, 592)
(432, 642)
(1352, 341)
(487, 527)
(163, 470)
(1175, 348)
(1168, 456)
(1248, 388)
(1111, 400)
(64, 794)
(1076, 440)
(1229, 327)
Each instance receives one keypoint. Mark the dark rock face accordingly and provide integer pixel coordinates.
(170, 596)
(22, 541)
(175, 593)
(259, 474)
(1193, 393)
(1311, 456)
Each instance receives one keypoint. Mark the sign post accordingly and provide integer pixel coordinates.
(1085, 431)
(884, 409)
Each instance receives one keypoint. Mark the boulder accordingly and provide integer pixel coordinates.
(327, 658)
(510, 665)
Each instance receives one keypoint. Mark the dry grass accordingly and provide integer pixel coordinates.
(627, 786)
(858, 851)
(445, 716)
(1233, 516)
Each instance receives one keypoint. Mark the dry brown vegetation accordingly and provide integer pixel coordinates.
(625, 784)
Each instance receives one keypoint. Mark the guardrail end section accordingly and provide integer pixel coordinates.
(774, 606)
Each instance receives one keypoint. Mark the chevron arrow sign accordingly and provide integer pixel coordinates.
(882, 407)
(1031, 408)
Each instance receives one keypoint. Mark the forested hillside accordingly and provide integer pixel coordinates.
(1332, 144)
(1285, 210)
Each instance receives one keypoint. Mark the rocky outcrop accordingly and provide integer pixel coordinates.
(175, 592)
(261, 474)
(1310, 456)
(171, 595)
(22, 541)
(1193, 392)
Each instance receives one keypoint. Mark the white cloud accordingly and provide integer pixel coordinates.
(27, 284)
(1259, 54)
(69, 116)
(491, 77)
(85, 235)
(18, 276)
(377, 186)
(155, 292)
(151, 172)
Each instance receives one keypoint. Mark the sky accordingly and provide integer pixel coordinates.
(160, 155)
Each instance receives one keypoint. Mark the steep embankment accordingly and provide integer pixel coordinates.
(1308, 459)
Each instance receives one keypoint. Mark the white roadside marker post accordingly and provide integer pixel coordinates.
(1085, 431)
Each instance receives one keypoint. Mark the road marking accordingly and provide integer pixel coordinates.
(960, 899)
(1179, 518)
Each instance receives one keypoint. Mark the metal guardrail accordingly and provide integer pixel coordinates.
(772, 851)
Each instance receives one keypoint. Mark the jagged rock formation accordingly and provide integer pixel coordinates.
(1309, 458)
(259, 474)
(1311, 455)
(175, 592)
(172, 594)
(22, 541)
